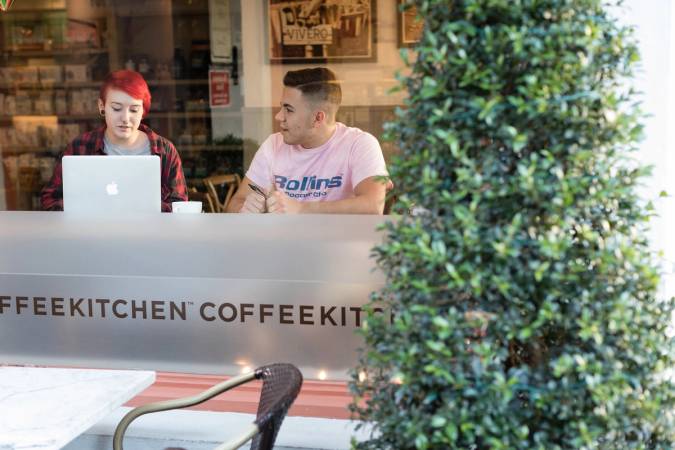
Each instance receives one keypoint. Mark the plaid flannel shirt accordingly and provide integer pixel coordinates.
(91, 143)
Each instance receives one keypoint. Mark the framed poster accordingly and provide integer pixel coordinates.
(410, 26)
(306, 31)
(220, 30)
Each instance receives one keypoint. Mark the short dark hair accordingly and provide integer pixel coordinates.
(318, 84)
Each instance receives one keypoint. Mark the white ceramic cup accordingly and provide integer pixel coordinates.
(186, 207)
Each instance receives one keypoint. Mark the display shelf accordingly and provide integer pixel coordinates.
(21, 149)
(191, 114)
(92, 115)
(70, 52)
(62, 47)
(91, 84)
(7, 118)
(28, 85)
(180, 82)
(178, 114)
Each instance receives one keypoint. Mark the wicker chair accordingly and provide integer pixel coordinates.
(281, 385)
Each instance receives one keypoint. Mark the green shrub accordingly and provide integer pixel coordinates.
(524, 289)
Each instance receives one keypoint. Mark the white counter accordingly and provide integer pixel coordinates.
(197, 293)
(45, 408)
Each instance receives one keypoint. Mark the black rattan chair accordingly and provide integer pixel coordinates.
(281, 385)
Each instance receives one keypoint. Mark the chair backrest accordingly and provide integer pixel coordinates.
(229, 181)
(281, 385)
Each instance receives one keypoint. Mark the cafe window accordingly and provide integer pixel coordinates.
(214, 68)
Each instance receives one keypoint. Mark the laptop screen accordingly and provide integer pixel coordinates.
(112, 184)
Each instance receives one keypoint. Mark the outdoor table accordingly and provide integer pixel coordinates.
(46, 408)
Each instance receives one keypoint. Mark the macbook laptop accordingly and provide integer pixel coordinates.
(112, 184)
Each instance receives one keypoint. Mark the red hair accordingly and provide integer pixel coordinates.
(130, 82)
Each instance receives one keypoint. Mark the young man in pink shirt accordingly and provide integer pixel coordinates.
(315, 164)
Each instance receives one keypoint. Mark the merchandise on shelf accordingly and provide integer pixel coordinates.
(24, 104)
(83, 101)
(25, 32)
(44, 104)
(60, 103)
(76, 73)
(81, 33)
(9, 104)
(50, 74)
(21, 74)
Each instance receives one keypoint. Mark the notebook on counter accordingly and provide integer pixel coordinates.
(112, 184)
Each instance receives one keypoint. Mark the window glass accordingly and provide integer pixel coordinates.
(214, 68)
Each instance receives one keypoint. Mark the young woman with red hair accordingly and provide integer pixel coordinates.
(123, 101)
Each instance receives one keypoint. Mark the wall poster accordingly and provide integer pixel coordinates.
(410, 27)
(305, 31)
(220, 31)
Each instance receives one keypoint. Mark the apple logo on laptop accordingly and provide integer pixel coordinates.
(111, 188)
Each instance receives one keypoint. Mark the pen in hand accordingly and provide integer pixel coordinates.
(257, 190)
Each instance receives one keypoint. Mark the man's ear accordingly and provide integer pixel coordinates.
(319, 117)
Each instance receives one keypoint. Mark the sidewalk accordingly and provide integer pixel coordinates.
(201, 430)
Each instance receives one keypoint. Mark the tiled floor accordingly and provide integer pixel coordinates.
(201, 430)
(92, 442)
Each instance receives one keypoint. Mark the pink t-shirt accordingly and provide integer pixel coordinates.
(326, 173)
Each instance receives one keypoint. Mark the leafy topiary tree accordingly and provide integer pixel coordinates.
(524, 290)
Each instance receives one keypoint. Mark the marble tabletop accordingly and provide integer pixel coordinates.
(45, 408)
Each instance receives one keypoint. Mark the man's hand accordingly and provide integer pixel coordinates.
(280, 203)
(254, 203)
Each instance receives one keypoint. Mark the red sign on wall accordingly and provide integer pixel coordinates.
(219, 88)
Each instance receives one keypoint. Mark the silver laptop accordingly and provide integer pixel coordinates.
(112, 184)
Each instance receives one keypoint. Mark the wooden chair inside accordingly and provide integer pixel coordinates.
(227, 183)
(204, 197)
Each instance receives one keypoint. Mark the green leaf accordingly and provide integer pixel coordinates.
(438, 421)
(515, 147)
